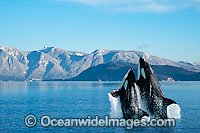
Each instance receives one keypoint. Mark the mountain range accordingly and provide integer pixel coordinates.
(115, 71)
(56, 63)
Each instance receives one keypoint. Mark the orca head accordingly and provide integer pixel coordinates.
(146, 77)
(131, 77)
(127, 83)
(144, 70)
(128, 80)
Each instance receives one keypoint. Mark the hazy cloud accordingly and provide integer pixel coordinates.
(140, 5)
(144, 46)
(197, 63)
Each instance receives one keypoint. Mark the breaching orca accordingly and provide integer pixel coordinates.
(129, 97)
(144, 97)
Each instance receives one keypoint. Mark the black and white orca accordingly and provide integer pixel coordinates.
(144, 97)
(129, 97)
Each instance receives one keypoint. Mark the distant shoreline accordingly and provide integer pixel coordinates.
(89, 81)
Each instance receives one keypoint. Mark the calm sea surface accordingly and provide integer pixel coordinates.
(80, 99)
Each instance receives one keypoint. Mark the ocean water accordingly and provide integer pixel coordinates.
(80, 99)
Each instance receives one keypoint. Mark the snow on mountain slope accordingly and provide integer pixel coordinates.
(56, 63)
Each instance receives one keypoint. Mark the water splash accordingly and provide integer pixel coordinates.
(174, 111)
(115, 109)
(138, 95)
(141, 102)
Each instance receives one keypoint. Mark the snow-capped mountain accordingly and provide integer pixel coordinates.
(56, 63)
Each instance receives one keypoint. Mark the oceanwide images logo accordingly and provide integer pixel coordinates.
(47, 121)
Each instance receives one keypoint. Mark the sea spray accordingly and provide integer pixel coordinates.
(115, 109)
(138, 95)
(141, 102)
(174, 111)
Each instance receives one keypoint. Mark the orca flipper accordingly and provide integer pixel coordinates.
(115, 93)
(143, 113)
(167, 101)
(139, 114)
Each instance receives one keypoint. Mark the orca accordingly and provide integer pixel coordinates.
(152, 95)
(129, 97)
(144, 97)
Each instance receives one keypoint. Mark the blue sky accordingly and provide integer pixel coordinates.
(168, 28)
